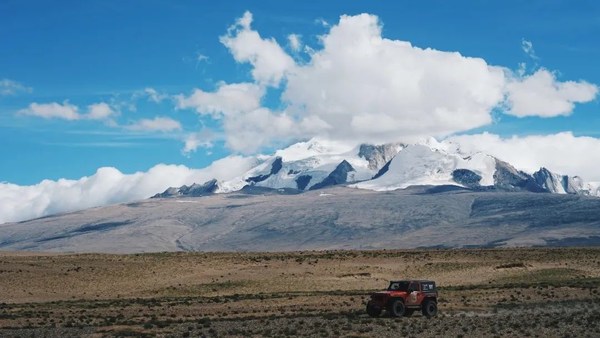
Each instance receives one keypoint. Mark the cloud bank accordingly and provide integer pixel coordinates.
(563, 153)
(107, 186)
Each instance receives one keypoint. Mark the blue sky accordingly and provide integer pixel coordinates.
(89, 52)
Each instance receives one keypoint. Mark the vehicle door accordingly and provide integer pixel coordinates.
(427, 289)
(413, 295)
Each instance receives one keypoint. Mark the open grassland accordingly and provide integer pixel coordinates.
(496, 292)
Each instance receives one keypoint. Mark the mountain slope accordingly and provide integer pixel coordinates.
(332, 218)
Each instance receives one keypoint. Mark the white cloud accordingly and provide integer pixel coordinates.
(154, 95)
(247, 125)
(100, 111)
(108, 186)
(368, 88)
(68, 111)
(295, 42)
(269, 61)
(527, 47)
(228, 99)
(52, 110)
(163, 124)
(250, 131)
(563, 153)
(540, 94)
(362, 87)
(9, 87)
(193, 141)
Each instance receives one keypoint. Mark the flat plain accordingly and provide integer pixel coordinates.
(538, 292)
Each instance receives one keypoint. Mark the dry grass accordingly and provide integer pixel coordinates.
(482, 292)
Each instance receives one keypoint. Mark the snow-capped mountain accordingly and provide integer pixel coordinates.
(318, 164)
(428, 194)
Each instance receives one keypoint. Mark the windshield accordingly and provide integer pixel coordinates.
(398, 286)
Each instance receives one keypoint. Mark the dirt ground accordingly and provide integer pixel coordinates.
(492, 292)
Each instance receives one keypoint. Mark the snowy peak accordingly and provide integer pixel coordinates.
(312, 148)
(421, 165)
(564, 184)
(317, 164)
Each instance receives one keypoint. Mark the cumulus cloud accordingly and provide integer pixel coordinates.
(362, 87)
(251, 130)
(193, 141)
(247, 126)
(9, 88)
(269, 61)
(541, 94)
(100, 111)
(374, 89)
(107, 186)
(563, 153)
(52, 110)
(68, 111)
(158, 123)
(228, 99)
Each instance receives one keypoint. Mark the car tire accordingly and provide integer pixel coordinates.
(373, 310)
(397, 308)
(429, 308)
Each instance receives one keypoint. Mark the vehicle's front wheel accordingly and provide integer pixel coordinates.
(373, 310)
(397, 308)
(429, 308)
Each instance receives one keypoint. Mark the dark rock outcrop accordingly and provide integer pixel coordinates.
(194, 190)
(466, 177)
(302, 181)
(554, 183)
(275, 167)
(508, 178)
(383, 170)
(337, 176)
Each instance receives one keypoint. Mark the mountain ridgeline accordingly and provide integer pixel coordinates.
(385, 167)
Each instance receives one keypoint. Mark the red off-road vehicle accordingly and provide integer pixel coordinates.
(403, 298)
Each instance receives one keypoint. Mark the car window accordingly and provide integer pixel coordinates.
(428, 287)
(398, 286)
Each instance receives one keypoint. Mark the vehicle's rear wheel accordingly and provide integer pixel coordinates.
(409, 312)
(397, 308)
(429, 308)
(373, 310)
